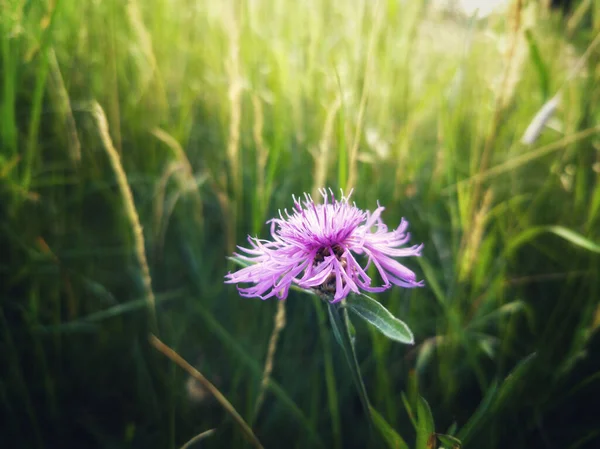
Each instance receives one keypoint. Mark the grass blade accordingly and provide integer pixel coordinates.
(538, 62)
(477, 418)
(168, 352)
(341, 331)
(425, 425)
(391, 437)
(256, 369)
(565, 233)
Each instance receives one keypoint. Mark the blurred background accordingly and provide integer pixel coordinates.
(140, 141)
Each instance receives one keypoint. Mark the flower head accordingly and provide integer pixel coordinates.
(315, 248)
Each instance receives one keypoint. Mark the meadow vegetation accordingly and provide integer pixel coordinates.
(141, 141)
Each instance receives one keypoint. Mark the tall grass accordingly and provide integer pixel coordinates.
(216, 113)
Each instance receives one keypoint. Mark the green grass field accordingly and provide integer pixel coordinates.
(141, 141)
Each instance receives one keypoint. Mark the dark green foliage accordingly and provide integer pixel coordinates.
(422, 110)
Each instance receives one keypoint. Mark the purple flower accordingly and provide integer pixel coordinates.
(315, 248)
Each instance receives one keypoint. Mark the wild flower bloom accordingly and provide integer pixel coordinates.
(315, 248)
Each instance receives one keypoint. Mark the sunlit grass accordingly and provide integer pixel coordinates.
(219, 112)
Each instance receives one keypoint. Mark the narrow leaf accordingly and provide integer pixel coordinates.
(391, 437)
(452, 429)
(512, 382)
(575, 238)
(425, 425)
(409, 410)
(539, 64)
(351, 328)
(449, 441)
(494, 399)
(335, 327)
(425, 354)
(87, 323)
(476, 419)
(375, 314)
(567, 234)
(503, 311)
(248, 361)
(330, 380)
(67, 328)
(343, 337)
(539, 121)
(432, 280)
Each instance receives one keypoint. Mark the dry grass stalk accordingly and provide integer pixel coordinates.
(232, 66)
(261, 148)
(112, 82)
(61, 96)
(227, 211)
(501, 98)
(471, 249)
(160, 193)
(277, 328)
(144, 38)
(523, 159)
(369, 70)
(499, 108)
(188, 178)
(130, 209)
(322, 154)
(198, 438)
(171, 354)
(540, 120)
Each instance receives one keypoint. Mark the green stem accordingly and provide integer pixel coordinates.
(332, 395)
(342, 335)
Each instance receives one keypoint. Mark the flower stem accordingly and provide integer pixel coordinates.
(341, 332)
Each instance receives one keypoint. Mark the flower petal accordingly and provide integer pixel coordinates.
(304, 249)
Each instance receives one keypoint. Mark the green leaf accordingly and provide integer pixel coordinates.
(391, 437)
(409, 410)
(425, 354)
(539, 64)
(247, 360)
(129, 306)
(507, 309)
(67, 328)
(344, 338)
(413, 389)
(330, 380)
(590, 436)
(257, 370)
(575, 238)
(425, 425)
(351, 328)
(512, 383)
(432, 281)
(449, 441)
(494, 399)
(567, 234)
(334, 327)
(452, 429)
(88, 323)
(375, 314)
(477, 418)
